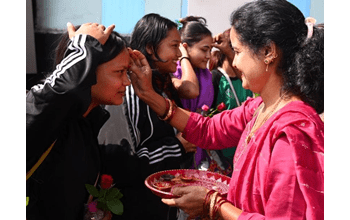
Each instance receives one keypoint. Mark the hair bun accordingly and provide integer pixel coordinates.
(193, 18)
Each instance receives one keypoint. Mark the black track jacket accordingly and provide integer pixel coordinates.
(54, 110)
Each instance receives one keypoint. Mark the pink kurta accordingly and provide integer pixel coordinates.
(279, 174)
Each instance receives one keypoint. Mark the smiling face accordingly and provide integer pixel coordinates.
(168, 51)
(200, 52)
(112, 80)
(252, 67)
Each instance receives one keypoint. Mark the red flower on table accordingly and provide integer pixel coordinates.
(106, 181)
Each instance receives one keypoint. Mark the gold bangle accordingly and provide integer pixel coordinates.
(206, 204)
(212, 204)
(218, 205)
(170, 111)
(167, 108)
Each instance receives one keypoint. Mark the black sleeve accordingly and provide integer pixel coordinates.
(156, 141)
(65, 93)
(216, 77)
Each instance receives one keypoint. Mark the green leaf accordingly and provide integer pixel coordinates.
(113, 193)
(102, 193)
(27, 199)
(116, 206)
(102, 205)
(92, 190)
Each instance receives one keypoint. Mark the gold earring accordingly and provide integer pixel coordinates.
(267, 64)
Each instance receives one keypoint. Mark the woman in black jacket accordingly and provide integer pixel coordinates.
(157, 145)
(65, 108)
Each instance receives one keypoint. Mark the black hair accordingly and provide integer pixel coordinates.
(194, 29)
(261, 22)
(113, 46)
(216, 59)
(150, 30)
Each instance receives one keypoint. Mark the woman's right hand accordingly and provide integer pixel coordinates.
(140, 74)
(98, 31)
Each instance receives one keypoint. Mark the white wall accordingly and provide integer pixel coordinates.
(216, 12)
(170, 9)
(54, 14)
(317, 10)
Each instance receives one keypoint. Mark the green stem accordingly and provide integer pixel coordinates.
(211, 113)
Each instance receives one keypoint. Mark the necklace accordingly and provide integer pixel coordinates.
(253, 129)
(255, 126)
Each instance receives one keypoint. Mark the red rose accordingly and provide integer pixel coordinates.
(106, 181)
(222, 106)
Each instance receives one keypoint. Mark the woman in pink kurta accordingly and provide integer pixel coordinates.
(279, 173)
(279, 165)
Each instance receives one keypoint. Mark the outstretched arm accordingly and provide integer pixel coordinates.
(141, 78)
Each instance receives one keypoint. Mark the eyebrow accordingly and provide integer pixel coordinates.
(123, 67)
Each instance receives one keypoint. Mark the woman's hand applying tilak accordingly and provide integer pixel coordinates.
(140, 73)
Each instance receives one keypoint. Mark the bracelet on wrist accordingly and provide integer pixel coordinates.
(172, 111)
(167, 101)
(206, 204)
(168, 115)
(217, 206)
(187, 58)
(212, 205)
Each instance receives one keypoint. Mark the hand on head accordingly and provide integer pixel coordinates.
(98, 31)
(183, 49)
(222, 42)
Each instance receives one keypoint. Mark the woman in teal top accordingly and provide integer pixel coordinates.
(223, 83)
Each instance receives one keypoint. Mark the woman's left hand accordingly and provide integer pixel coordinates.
(191, 199)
